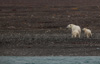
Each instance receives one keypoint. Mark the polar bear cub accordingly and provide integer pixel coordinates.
(87, 32)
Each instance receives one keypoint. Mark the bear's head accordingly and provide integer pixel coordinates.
(70, 26)
(84, 29)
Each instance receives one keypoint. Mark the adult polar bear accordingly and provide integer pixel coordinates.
(76, 30)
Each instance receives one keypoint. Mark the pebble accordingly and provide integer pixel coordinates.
(97, 48)
(69, 16)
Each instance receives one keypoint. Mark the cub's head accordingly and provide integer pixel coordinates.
(84, 29)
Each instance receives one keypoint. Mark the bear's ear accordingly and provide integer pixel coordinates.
(84, 28)
(70, 25)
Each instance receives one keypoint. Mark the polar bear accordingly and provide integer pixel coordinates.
(75, 34)
(75, 29)
(87, 32)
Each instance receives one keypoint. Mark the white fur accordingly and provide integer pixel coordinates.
(76, 30)
(87, 32)
(75, 34)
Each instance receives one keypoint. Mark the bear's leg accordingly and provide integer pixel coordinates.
(75, 35)
(87, 35)
(78, 35)
(72, 36)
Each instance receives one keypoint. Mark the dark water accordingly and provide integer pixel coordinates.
(49, 59)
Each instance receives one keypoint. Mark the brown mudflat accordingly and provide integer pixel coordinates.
(41, 30)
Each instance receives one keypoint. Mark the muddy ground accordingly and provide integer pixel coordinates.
(41, 30)
(48, 17)
(53, 43)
